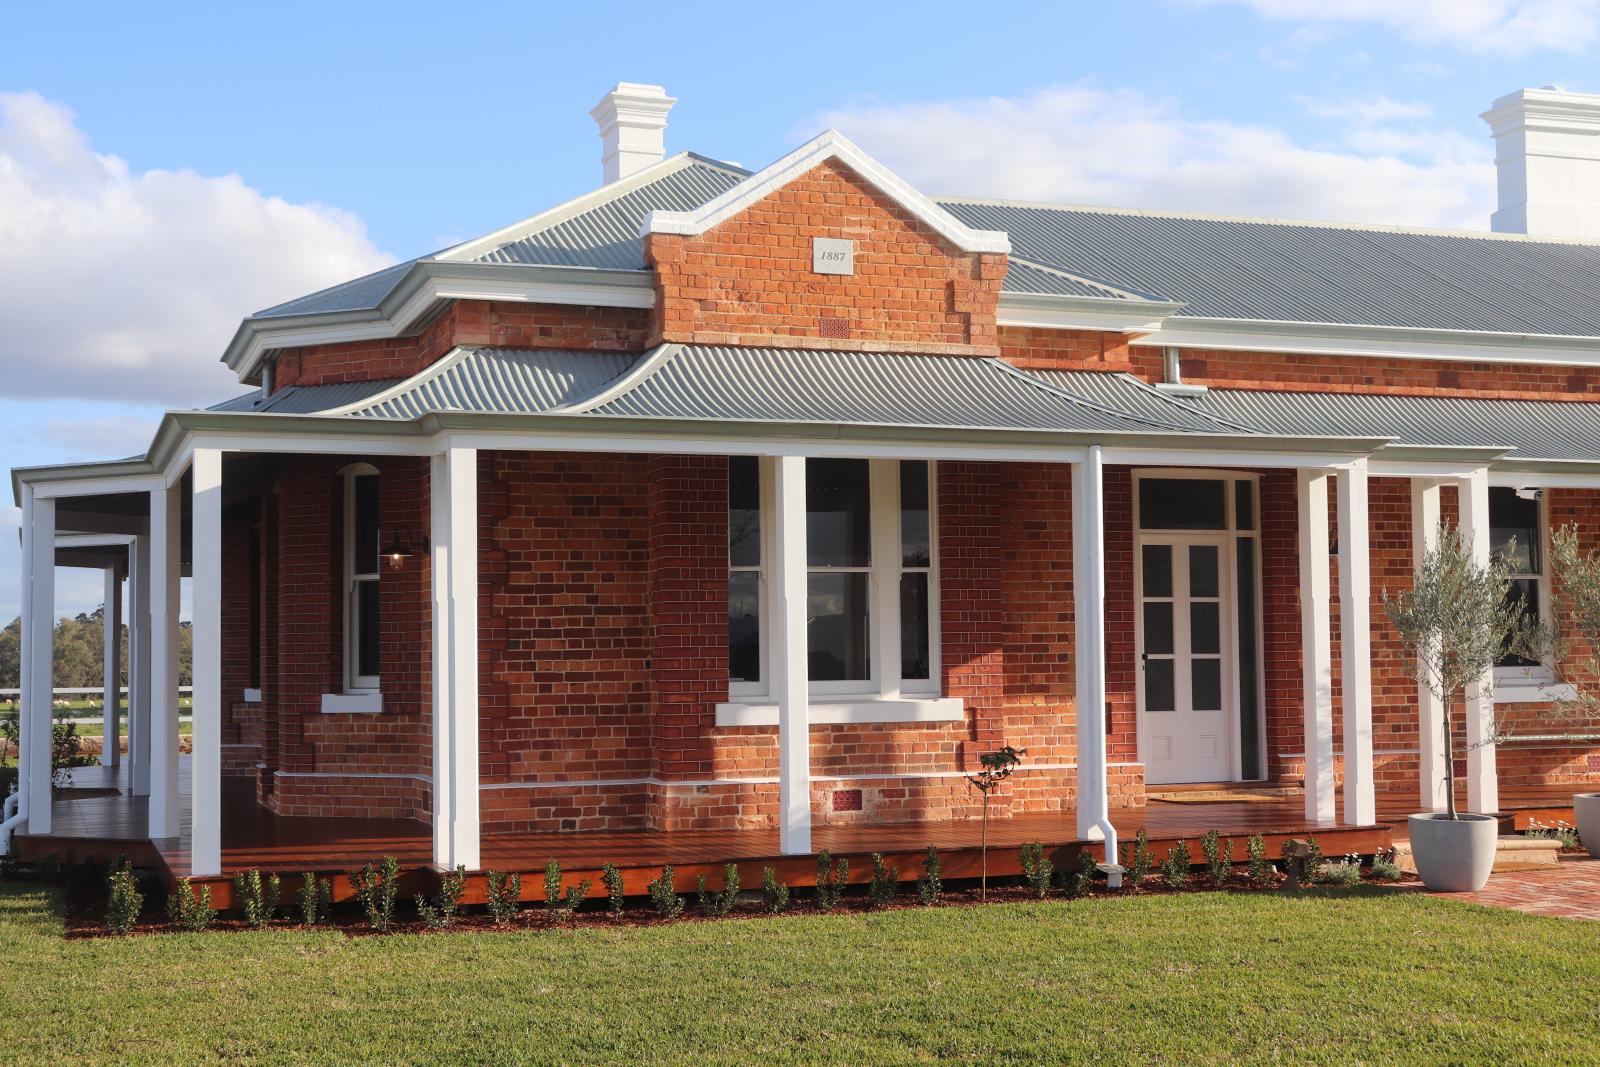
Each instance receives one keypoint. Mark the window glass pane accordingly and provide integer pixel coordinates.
(1524, 595)
(367, 628)
(1157, 570)
(914, 661)
(1157, 628)
(1203, 570)
(744, 626)
(1511, 517)
(1158, 685)
(1249, 695)
(366, 524)
(915, 548)
(1182, 504)
(837, 634)
(1206, 678)
(838, 513)
(1205, 627)
(1244, 505)
(744, 511)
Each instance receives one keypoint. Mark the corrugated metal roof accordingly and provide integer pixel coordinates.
(359, 294)
(607, 236)
(1025, 277)
(307, 399)
(1536, 429)
(1124, 392)
(824, 386)
(1305, 272)
(500, 381)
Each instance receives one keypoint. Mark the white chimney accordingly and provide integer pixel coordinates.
(1547, 155)
(631, 118)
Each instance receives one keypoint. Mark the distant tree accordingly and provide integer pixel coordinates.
(80, 652)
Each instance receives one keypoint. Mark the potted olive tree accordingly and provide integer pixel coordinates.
(1573, 641)
(1456, 620)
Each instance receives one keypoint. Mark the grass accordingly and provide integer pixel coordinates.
(1333, 976)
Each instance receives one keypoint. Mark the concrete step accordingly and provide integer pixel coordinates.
(1513, 853)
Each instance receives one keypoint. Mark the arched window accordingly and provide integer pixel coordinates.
(361, 603)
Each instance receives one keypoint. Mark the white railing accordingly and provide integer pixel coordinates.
(89, 690)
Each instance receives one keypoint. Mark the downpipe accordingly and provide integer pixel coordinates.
(15, 814)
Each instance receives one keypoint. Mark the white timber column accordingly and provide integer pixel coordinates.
(1355, 645)
(886, 551)
(166, 543)
(1483, 786)
(1316, 645)
(205, 802)
(111, 638)
(453, 509)
(139, 665)
(1431, 779)
(1089, 636)
(38, 656)
(790, 661)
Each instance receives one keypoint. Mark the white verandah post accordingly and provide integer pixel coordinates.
(205, 802)
(1431, 779)
(139, 665)
(1316, 644)
(38, 657)
(453, 516)
(111, 637)
(1355, 645)
(790, 665)
(1089, 632)
(166, 533)
(1483, 787)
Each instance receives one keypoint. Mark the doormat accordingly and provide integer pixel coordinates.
(1214, 798)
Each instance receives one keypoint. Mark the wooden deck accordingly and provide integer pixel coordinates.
(101, 826)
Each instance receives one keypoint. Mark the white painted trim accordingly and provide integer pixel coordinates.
(1044, 312)
(1317, 644)
(790, 660)
(1430, 715)
(1089, 637)
(866, 709)
(111, 665)
(1534, 693)
(205, 808)
(363, 703)
(139, 666)
(453, 484)
(1355, 645)
(829, 145)
(34, 784)
(355, 682)
(1483, 787)
(166, 539)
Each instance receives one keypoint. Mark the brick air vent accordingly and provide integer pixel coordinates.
(831, 326)
(847, 800)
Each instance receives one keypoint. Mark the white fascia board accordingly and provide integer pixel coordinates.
(829, 145)
(1056, 312)
(1384, 342)
(93, 540)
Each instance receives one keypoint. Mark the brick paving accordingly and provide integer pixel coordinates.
(1571, 890)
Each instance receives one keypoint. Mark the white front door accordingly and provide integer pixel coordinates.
(1186, 657)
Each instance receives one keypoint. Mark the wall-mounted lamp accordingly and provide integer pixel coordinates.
(400, 548)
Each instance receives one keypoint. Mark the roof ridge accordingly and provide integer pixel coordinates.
(426, 374)
(1126, 293)
(1056, 390)
(1271, 220)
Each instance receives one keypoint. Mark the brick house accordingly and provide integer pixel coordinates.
(718, 501)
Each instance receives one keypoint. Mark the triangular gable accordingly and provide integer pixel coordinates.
(829, 145)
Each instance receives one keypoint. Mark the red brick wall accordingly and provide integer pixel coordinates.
(1036, 348)
(748, 281)
(241, 723)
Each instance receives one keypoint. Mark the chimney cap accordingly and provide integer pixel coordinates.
(632, 118)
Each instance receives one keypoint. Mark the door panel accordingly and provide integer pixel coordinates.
(1185, 651)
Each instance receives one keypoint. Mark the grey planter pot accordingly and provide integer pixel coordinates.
(1454, 856)
(1586, 813)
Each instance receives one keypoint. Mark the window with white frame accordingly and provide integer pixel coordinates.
(361, 601)
(1517, 539)
(871, 577)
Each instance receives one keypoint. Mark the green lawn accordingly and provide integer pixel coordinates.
(1206, 977)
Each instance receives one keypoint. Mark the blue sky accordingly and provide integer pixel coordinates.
(166, 169)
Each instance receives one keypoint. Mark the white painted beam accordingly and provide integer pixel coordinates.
(205, 810)
(1089, 635)
(166, 542)
(38, 656)
(1483, 787)
(139, 665)
(1431, 777)
(1316, 644)
(790, 656)
(453, 500)
(1355, 646)
(111, 661)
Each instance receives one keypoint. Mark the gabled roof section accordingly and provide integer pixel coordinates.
(358, 294)
(502, 381)
(836, 146)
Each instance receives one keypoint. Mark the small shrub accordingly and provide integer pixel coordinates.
(663, 897)
(1384, 868)
(1175, 868)
(316, 899)
(774, 893)
(1037, 869)
(831, 880)
(1565, 834)
(718, 902)
(1219, 856)
(611, 878)
(375, 890)
(188, 911)
(930, 887)
(1260, 868)
(1345, 872)
(885, 883)
(257, 897)
(441, 915)
(503, 894)
(1141, 862)
(557, 905)
(1079, 881)
(124, 902)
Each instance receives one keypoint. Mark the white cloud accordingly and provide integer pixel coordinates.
(1081, 144)
(117, 284)
(1366, 111)
(1512, 27)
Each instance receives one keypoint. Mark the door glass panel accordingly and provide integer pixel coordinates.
(1203, 570)
(1157, 629)
(744, 511)
(1182, 504)
(1158, 687)
(1244, 505)
(1157, 570)
(1206, 677)
(744, 626)
(1205, 627)
(837, 634)
(914, 542)
(914, 663)
(838, 513)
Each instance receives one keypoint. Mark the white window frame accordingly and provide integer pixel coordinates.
(354, 682)
(885, 683)
(1532, 684)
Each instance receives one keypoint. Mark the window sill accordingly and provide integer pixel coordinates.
(1526, 692)
(252, 696)
(849, 710)
(352, 703)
